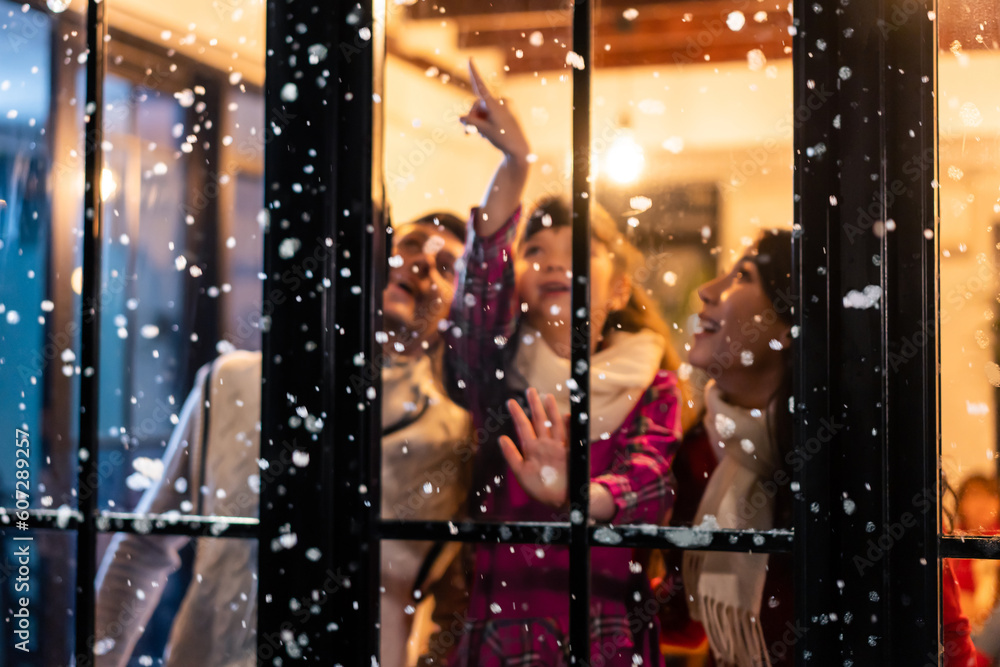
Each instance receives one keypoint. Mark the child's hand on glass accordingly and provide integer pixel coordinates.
(541, 465)
(492, 118)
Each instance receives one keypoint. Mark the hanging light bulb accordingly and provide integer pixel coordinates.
(624, 159)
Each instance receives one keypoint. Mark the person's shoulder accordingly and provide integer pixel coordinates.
(659, 404)
(243, 364)
(236, 379)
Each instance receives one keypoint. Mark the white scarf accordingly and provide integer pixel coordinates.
(619, 374)
(727, 588)
(407, 385)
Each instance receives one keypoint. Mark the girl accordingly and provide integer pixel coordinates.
(509, 346)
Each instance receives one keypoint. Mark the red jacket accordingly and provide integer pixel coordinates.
(955, 630)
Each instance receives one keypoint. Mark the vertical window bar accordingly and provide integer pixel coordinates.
(911, 254)
(856, 504)
(579, 431)
(90, 336)
(301, 581)
(360, 268)
(815, 106)
(871, 418)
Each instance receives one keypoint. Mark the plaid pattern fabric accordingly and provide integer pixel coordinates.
(483, 319)
(520, 642)
(640, 480)
(541, 642)
(530, 582)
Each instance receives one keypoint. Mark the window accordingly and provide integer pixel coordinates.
(175, 147)
(967, 180)
(202, 206)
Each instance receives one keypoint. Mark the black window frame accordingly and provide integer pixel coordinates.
(882, 418)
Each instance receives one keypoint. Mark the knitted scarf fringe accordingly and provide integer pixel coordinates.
(736, 637)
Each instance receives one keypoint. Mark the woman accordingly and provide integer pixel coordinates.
(744, 600)
(744, 343)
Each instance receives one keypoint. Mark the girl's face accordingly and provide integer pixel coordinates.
(542, 270)
(740, 335)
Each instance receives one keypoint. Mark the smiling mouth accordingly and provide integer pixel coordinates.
(706, 325)
(553, 288)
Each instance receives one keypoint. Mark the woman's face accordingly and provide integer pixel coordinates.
(740, 332)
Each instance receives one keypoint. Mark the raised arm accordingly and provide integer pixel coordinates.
(493, 119)
(483, 315)
(484, 310)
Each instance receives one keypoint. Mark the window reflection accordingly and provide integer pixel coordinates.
(149, 612)
(41, 214)
(143, 349)
(969, 144)
(40, 154)
(182, 189)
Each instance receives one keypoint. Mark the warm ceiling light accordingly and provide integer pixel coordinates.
(624, 160)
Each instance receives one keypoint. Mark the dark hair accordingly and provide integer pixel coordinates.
(641, 312)
(774, 264)
(450, 222)
(773, 259)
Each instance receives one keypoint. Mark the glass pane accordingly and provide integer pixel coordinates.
(424, 598)
(182, 188)
(969, 242)
(693, 123)
(37, 584)
(165, 600)
(41, 154)
(683, 639)
(436, 170)
(970, 616)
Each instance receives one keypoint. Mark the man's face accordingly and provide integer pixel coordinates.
(421, 283)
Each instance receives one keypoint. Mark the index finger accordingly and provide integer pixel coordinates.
(478, 85)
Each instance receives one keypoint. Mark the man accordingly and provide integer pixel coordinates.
(210, 468)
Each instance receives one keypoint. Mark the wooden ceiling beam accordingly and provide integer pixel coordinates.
(536, 15)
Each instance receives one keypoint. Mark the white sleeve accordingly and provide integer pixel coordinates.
(135, 567)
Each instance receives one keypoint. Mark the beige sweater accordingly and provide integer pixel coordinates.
(216, 624)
